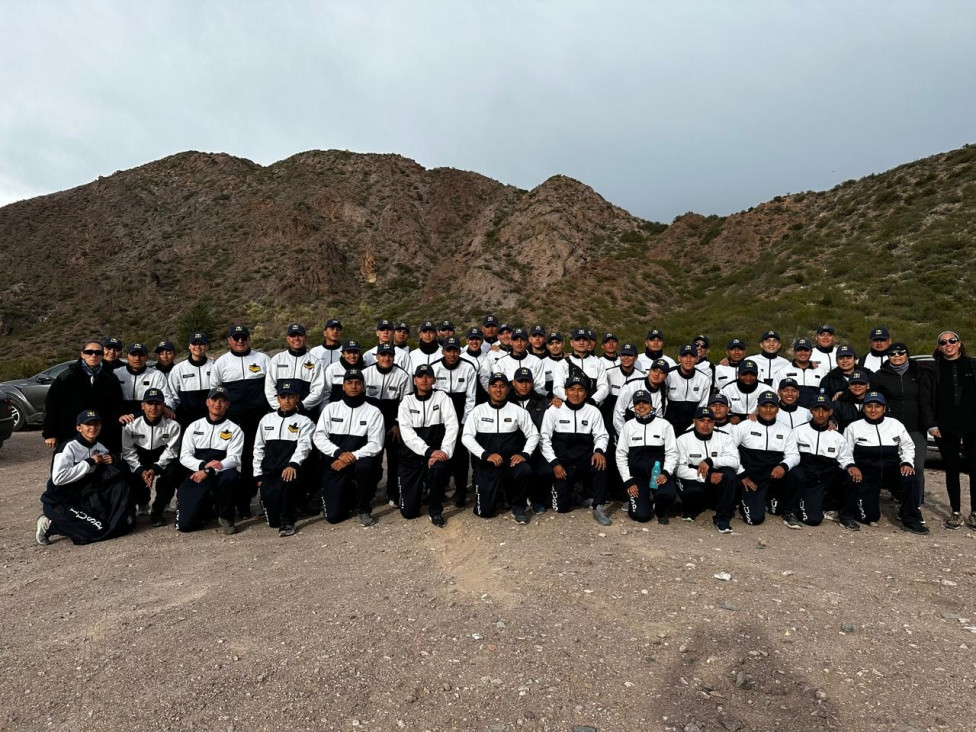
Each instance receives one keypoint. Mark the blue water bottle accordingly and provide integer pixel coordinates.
(655, 472)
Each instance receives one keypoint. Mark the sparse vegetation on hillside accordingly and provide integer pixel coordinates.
(200, 240)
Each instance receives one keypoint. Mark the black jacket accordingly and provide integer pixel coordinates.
(73, 391)
(901, 392)
(947, 396)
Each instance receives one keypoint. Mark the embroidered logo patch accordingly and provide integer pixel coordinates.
(254, 368)
(293, 428)
(226, 434)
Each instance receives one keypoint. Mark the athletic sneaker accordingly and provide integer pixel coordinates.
(43, 527)
(971, 521)
(663, 520)
(142, 510)
(915, 527)
(587, 503)
(520, 516)
(538, 508)
(686, 517)
(228, 526)
(286, 530)
(600, 516)
(723, 527)
(366, 519)
(157, 519)
(437, 519)
(831, 515)
(954, 521)
(851, 524)
(392, 503)
(792, 521)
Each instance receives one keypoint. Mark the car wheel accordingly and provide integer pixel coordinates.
(18, 414)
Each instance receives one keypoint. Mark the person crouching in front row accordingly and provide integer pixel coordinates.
(87, 497)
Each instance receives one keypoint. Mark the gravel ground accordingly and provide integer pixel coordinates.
(485, 625)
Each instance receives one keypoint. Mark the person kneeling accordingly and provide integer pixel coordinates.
(282, 443)
(707, 463)
(211, 451)
(350, 434)
(573, 439)
(428, 429)
(647, 454)
(500, 438)
(87, 497)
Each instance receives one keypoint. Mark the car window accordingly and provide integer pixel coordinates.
(57, 370)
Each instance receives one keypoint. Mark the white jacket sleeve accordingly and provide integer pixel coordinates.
(622, 455)
(235, 449)
(320, 437)
(670, 450)
(602, 385)
(303, 445)
(545, 434)
(529, 430)
(171, 452)
(791, 451)
(129, 449)
(407, 433)
(600, 435)
(469, 437)
(451, 425)
(316, 387)
(65, 470)
(259, 448)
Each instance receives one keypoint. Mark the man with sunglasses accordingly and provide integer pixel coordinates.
(948, 406)
(242, 372)
(86, 384)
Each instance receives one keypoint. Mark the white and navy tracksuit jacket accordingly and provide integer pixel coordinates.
(460, 383)
(742, 402)
(204, 441)
(769, 367)
(134, 386)
(641, 443)
(794, 417)
(243, 377)
(506, 430)
(879, 447)
(190, 382)
(146, 445)
(686, 392)
(717, 450)
(593, 369)
(822, 451)
(570, 434)
(344, 428)
(303, 370)
(762, 446)
(428, 424)
(283, 440)
(622, 410)
(509, 363)
(327, 355)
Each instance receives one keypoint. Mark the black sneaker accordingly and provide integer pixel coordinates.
(520, 516)
(850, 524)
(157, 520)
(227, 526)
(538, 508)
(366, 519)
(915, 527)
(792, 521)
(286, 530)
(438, 520)
(723, 527)
(663, 520)
(600, 516)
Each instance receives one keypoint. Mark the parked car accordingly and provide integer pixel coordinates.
(6, 417)
(27, 395)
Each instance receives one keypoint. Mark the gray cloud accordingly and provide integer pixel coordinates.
(662, 107)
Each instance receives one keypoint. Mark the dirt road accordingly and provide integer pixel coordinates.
(485, 625)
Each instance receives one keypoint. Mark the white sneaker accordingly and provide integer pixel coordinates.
(43, 526)
(831, 515)
(142, 510)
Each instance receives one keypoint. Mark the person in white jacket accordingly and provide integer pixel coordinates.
(350, 435)
(644, 442)
(428, 431)
(707, 465)
(211, 451)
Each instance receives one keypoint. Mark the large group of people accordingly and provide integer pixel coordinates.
(822, 434)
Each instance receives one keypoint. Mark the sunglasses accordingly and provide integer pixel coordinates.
(238, 338)
(948, 341)
(899, 352)
(93, 352)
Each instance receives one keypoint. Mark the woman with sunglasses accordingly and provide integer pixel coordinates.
(86, 384)
(948, 405)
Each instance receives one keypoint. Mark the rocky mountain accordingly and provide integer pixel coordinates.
(202, 240)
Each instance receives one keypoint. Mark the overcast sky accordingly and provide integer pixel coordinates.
(662, 107)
